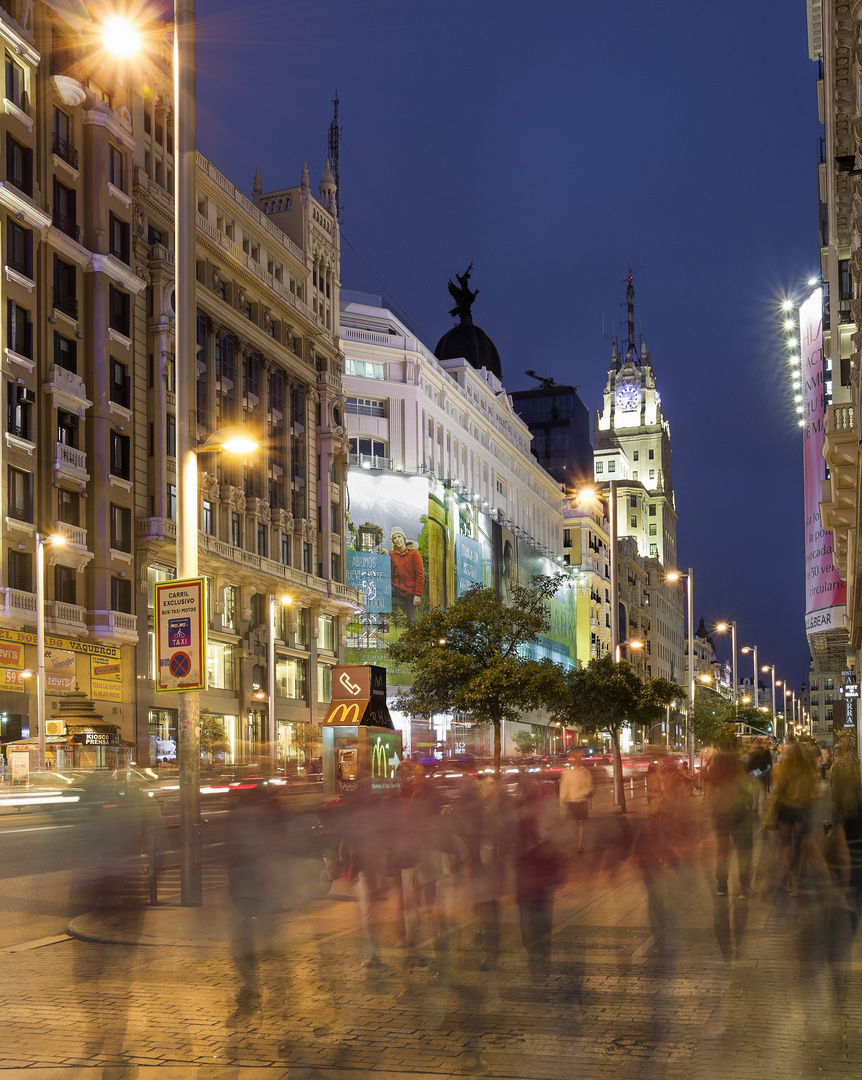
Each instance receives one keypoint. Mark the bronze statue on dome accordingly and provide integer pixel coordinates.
(463, 295)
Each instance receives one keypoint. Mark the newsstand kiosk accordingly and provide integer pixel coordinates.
(361, 748)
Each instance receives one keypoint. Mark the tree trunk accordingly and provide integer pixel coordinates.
(497, 747)
(619, 790)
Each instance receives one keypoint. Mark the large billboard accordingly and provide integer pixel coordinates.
(823, 585)
(415, 545)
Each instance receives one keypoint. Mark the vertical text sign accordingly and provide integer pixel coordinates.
(181, 634)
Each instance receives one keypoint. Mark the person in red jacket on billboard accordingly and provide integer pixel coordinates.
(408, 575)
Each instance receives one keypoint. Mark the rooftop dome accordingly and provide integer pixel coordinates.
(466, 340)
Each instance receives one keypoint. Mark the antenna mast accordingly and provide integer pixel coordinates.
(334, 142)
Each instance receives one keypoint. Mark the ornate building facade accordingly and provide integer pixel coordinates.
(90, 373)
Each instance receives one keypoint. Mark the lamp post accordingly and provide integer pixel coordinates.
(771, 668)
(57, 540)
(722, 627)
(755, 689)
(273, 746)
(675, 575)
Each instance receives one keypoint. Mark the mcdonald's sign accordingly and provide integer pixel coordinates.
(345, 713)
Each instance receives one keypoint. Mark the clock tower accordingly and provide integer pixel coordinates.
(632, 447)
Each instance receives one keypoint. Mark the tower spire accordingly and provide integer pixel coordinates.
(334, 146)
(630, 305)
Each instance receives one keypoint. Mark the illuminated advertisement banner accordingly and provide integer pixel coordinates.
(823, 585)
(417, 545)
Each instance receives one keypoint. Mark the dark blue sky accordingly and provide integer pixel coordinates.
(553, 143)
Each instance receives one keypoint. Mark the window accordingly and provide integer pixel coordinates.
(220, 666)
(121, 527)
(365, 369)
(154, 236)
(235, 529)
(634, 521)
(172, 502)
(652, 455)
(635, 475)
(19, 329)
(326, 633)
(285, 549)
(230, 605)
(65, 210)
(334, 517)
(635, 455)
(633, 501)
(119, 238)
(20, 494)
(119, 388)
(67, 428)
(118, 311)
(291, 679)
(362, 406)
(652, 511)
(15, 84)
(68, 507)
(115, 167)
(600, 467)
(368, 448)
(653, 551)
(612, 466)
(567, 537)
(65, 585)
(334, 567)
(19, 165)
(652, 529)
(261, 539)
(65, 352)
(61, 139)
(207, 518)
(303, 620)
(19, 573)
(306, 558)
(19, 407)
(19, 248)
(121, 595)
(652, 474)
(120, 455)
(65, 287)
(324, 683)
(170, 435)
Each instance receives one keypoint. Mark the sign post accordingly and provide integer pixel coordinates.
(181, 635)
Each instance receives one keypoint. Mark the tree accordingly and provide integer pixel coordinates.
(473, 657)
(213, 736)
(526, 742)
(712, 718)
(609, 696)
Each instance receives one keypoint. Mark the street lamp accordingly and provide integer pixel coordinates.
(57, 540)
(755, 689)
(771, 668)
(722, 627)
(675, 575)
(273, 749)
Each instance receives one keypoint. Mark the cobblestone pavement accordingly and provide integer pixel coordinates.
(653, 977)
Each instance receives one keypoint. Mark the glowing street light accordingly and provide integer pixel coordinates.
(722, 628)
(120, 36)
(754, 685)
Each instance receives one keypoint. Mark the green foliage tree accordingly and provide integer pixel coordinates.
(213, 736)
(472, 657)
(526, 742)
(609, 696)
(712, 719)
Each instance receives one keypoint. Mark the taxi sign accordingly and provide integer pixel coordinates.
(181, 635)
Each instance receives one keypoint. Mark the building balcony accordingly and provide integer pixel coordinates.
(116, 625)
(64, 150)
(369, 461)
(66, 225)
(66, 303)
(62, 618)
(68, 390)
(70, 463)
(840, 496)
(18, 605)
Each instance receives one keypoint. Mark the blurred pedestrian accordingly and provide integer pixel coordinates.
(730, 804)
(538, 872)
(576, 786)
(794, 791)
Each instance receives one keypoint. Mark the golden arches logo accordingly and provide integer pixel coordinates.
(378, 759)
(345, 712)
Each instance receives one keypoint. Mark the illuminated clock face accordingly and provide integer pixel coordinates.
(628, 396)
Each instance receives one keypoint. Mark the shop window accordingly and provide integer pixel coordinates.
(291, 679)
(220, 666)
(324, 683)
(230, 606)
(326, 633)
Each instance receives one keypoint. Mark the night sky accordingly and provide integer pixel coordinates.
(552, 144)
